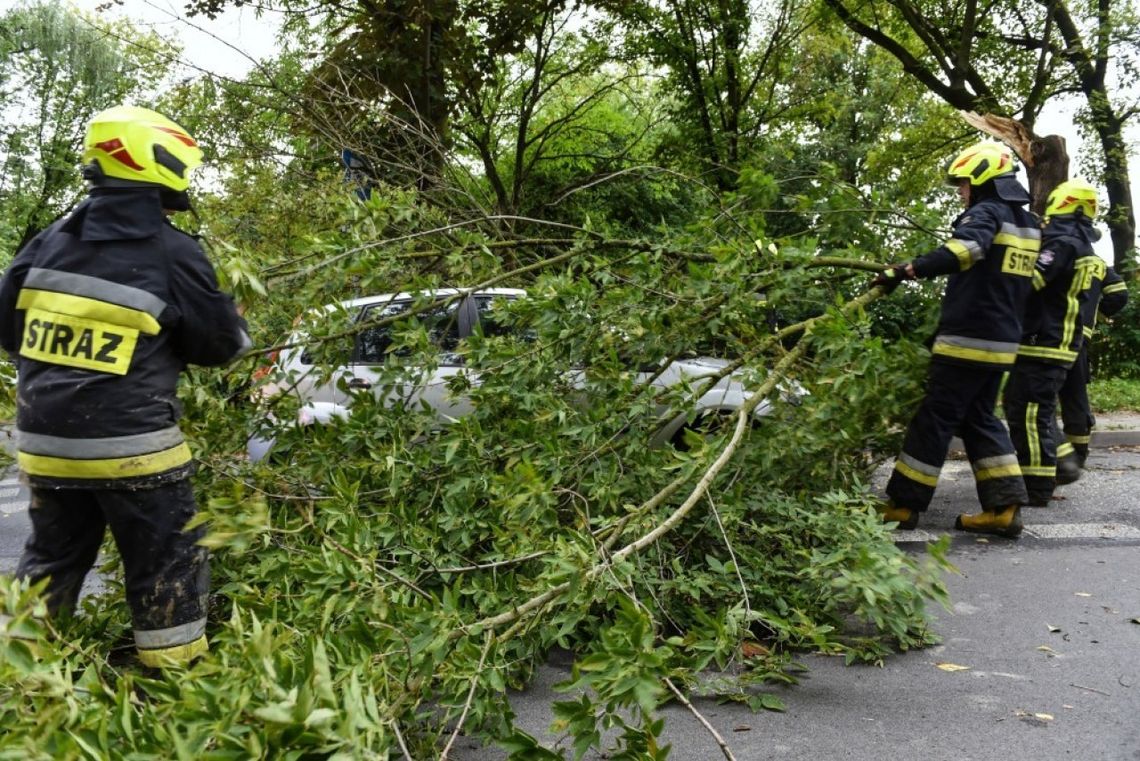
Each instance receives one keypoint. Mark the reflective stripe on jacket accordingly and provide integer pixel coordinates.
(1068, 277)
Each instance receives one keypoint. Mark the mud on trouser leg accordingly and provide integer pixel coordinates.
(67, 529)
(167, 573)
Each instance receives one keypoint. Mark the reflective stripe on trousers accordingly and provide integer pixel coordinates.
(959, 399)
(1030, 405)
(174, 646)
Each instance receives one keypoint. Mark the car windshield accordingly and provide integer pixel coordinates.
(373, 345)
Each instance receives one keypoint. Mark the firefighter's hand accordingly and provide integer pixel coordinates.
(890, 278)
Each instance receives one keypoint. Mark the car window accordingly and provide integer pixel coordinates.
(442, 323)
(487, 307)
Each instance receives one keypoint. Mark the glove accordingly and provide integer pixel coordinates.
(890, 278)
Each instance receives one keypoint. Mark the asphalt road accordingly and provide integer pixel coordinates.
(1045, 628)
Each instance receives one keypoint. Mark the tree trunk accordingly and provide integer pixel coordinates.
(1046, 159)
(1049, 169)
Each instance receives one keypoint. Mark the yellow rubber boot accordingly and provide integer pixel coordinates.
(904, 516)
(1003, 521)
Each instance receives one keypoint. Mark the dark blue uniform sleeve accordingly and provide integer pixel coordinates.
(11, 323)
(1114, 294)
(210, 331)
(940, 261)
(1056, 258)
(973, 234)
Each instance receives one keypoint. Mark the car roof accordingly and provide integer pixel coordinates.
(439, 293)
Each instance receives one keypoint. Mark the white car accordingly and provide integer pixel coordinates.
(325, 396)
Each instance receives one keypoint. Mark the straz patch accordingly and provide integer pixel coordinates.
(1018, 261)
(1089, 270)
(61, 339)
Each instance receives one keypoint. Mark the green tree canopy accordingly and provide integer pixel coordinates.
(57, 69)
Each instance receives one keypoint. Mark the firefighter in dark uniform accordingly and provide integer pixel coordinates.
(990, 257)
(1052, 334)
(1108, 294)
(102, 311)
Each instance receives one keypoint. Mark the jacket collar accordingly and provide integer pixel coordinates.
(117, 214)
(1074, 225)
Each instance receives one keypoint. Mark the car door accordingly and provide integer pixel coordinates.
(313, 370)
(375, 349)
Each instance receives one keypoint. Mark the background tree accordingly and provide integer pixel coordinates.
(1002, 63)
(727, 60)
(57, 69)
(1098, 45)
(387, 73)
(563, 131)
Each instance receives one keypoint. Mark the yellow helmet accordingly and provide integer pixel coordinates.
(981, 163)
(140, 145)
(1070, 197)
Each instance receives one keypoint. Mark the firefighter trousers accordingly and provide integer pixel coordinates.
(1076, 413)
(1030, 405)
(166, 572)
(959, 399)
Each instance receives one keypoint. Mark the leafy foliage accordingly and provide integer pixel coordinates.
(1113, 394)
(392, 577)
(384, 578)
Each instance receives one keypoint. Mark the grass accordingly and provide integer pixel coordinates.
(1115, 394)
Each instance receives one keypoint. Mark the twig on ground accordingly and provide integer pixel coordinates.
(400, 740)
(704, 722)
(488, 638)
(1090, 689)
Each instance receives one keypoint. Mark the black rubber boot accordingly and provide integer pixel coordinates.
(1082, 453)
(1068, 471)
(1004, 521)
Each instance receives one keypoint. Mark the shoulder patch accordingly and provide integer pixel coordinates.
(1046, 257)
(965, 219)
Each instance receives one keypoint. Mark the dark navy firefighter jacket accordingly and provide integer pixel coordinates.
(990, 257)
(102, 311)
(1106, 297)
(1067, 285)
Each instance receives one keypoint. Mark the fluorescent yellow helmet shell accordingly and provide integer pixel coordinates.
(137, 144)
(981, 163)
(1070, 197)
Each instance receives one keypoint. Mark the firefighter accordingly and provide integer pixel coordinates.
(1052, 334)
(102, 311)
(1107, 295)
(990, 257)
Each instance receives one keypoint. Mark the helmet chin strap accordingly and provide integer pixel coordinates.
(174, 200)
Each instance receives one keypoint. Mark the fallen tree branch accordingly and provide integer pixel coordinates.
(743, 414)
